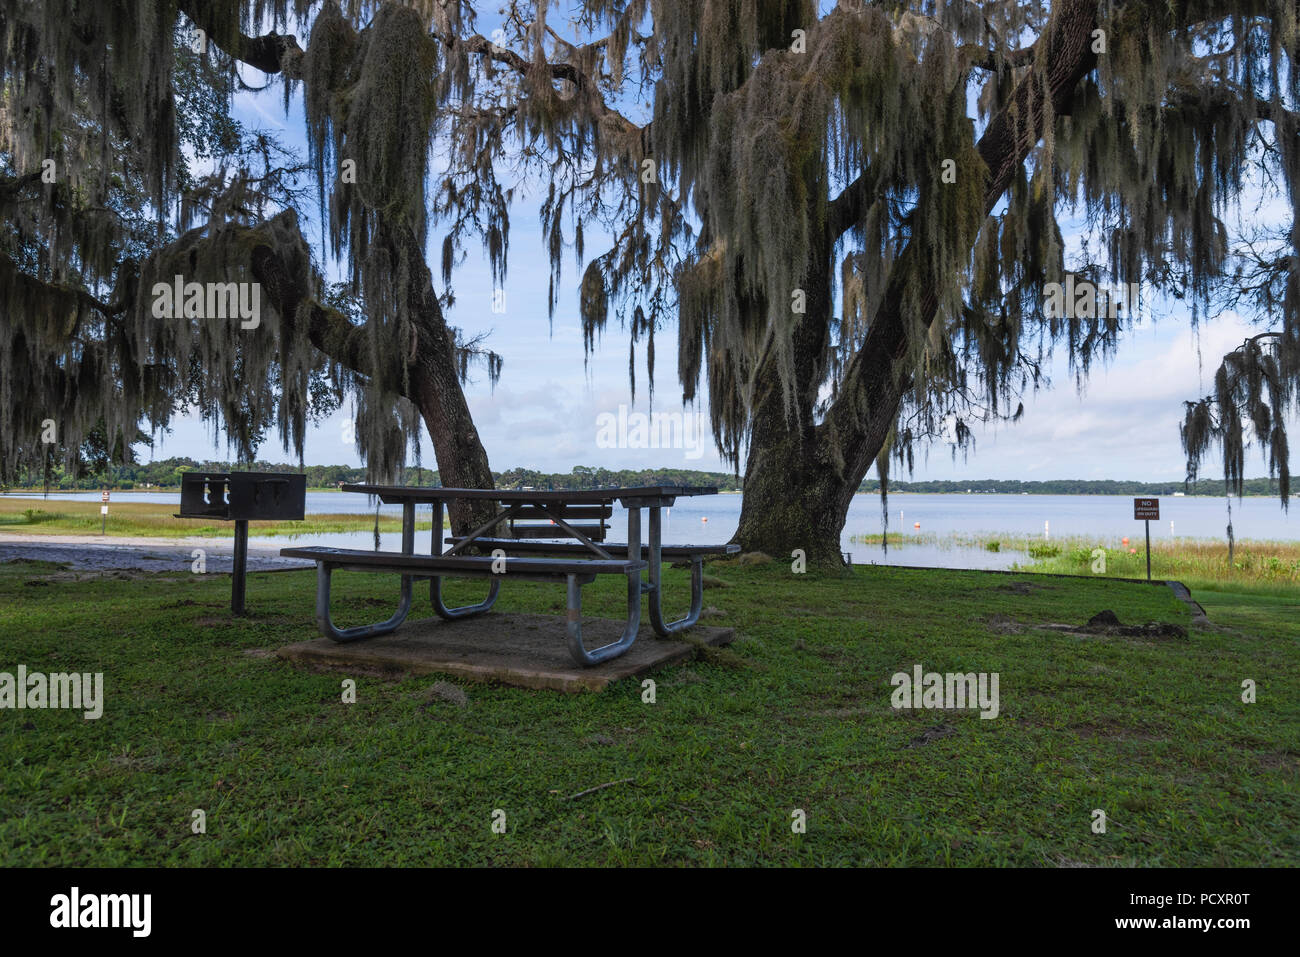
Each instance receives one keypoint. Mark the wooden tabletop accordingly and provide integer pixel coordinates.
(400, 494)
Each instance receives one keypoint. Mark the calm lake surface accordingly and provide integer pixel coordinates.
(1020, 518)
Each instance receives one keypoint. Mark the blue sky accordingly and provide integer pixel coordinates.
(544, 412)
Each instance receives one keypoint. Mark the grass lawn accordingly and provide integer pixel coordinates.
(796, 715)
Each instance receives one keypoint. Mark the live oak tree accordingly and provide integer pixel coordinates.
(121, 169)
(851, 212)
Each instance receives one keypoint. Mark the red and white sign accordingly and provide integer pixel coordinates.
(103, 496)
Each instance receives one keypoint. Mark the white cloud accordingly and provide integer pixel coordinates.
(1125, 425)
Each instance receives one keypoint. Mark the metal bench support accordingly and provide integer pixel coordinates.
(326, 623)
(661, 627)
(463, 611)
(573, 629)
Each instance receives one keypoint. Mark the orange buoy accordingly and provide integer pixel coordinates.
(704, 518)
(916, 524)
(1132, 551)
(1123, 541)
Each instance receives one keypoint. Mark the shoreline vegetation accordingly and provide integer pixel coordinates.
(1196, 562)
(165, 476)
(1260, 566)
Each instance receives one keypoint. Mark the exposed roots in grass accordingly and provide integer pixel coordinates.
(716, 654)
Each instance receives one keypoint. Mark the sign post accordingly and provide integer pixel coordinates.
(1147, 510)
(103, 512)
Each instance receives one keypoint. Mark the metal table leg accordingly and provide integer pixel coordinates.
(655, 591)
(435, 584)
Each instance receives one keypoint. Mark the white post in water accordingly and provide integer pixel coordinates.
(1171, 528)
(1047, 531)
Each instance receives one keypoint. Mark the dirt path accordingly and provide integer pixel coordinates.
(146, 554)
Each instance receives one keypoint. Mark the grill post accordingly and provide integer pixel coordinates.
(240, 569)
(242, 497)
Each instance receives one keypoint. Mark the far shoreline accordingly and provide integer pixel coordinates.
(893, 493)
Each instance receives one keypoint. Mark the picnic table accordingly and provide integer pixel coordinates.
(531, 515)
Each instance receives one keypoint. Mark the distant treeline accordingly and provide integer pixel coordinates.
(1257, 486)
(166, 474)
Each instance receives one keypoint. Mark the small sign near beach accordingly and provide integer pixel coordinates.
(103, 496)
(1146, 509)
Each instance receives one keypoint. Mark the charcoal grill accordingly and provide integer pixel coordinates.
(241, 497)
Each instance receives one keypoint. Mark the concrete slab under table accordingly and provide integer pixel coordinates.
(515, 649)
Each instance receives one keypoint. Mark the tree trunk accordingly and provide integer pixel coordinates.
(436, 390)
(434, 382)
(792, 485)
(432, 373)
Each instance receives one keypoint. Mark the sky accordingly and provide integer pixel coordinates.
(546, 411)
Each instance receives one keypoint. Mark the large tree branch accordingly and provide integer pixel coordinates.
(328, 329)
(270, 53)
(850, 207)
(1217, 97)
(996, 60)
(52, 290)
(484, 47)
(876, 377)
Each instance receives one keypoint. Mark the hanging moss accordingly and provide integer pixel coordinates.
(81, 268)
(776, 167)
(1187, 103)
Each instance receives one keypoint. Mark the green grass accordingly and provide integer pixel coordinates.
(795, 715)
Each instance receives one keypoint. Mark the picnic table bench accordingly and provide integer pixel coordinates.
(531, 515)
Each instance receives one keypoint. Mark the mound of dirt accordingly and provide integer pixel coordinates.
(1108, 623)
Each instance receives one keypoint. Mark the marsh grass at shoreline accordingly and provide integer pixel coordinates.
(1204, 562)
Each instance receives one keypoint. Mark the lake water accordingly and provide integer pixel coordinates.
(713, 520)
